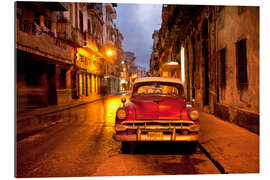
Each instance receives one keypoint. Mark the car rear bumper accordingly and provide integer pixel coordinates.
(135, 137)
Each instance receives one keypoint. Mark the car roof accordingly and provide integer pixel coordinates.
(158, 79)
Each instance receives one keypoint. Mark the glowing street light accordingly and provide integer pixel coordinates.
(134, 76)
(109, 52)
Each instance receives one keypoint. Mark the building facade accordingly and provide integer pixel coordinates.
(113, 41)
(217, 51)
(60, 52)
(127, 70)
(154, 60)
(140, 71)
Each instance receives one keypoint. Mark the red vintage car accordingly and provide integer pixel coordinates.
(157, 111)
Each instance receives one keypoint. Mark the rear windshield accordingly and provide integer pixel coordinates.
(158, 88)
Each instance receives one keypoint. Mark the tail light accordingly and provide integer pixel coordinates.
(193, 114)
(121, 113)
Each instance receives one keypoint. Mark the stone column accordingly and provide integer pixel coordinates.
(68, 85)
(78, 84)
(42, 22)
(57, 76)
(44, 86)
(90, 83)
(57, 83)
(53, 30)
(68, 78)
(96, 88)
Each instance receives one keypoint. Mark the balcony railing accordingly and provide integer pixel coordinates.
(31, 37)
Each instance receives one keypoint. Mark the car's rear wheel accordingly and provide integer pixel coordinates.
(193, 146)
(128, 147)
(125, 147)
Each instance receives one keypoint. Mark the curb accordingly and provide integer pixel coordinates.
(70, 107)
(216, 163)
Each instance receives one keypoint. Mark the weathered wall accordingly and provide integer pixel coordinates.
(234, 24)
(225, 27)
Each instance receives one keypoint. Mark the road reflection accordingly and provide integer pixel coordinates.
(110, 106)
(80, 143)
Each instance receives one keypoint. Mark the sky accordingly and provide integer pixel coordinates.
(137, 23)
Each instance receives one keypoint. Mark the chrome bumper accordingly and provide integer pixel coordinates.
(143, 127)
(135, 137)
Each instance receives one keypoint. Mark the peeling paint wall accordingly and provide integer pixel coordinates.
(225, 28)
(241, 104)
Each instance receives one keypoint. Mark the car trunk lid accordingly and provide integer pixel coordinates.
(158, 107)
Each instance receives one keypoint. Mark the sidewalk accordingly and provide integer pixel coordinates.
(234, 148)
(29, 122)
(55, 108)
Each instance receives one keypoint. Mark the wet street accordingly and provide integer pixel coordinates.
(81, 144)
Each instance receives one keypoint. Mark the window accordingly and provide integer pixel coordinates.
(241, 64)
(81, 22)
(81, 58)
(222, 55)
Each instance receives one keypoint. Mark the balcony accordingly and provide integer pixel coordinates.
(31, 38)
(77, 38)
(113, 15)
(109, 42)
(55, 6)
(109, 23)
(110, 10)
(109, 7)
(64, 30)
(92, 9)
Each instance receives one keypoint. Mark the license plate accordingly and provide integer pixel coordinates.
(155, 135)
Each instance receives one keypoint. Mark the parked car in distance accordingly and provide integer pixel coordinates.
(157, 111)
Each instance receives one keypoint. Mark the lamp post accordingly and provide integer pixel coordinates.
(110, 54)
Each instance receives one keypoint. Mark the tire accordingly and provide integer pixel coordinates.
(128, 147)
(125, 147)
(193, 146)
(132, 147)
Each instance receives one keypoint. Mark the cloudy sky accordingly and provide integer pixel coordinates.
(137, 22)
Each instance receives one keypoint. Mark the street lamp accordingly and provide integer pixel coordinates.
(109, 52)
